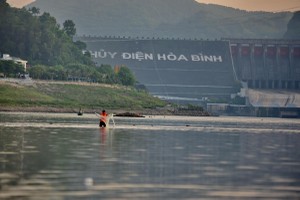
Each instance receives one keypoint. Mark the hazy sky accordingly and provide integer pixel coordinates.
(259, 5)
(265, 5)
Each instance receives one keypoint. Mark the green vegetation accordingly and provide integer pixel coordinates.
(66, 95)
(15, 95)
(38, 39)
(53, 55)
(50, 50)
(79, 72)
(10, 69)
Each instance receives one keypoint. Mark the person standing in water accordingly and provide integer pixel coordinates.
(103, 119)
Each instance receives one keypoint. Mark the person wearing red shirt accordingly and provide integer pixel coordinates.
(103, 119)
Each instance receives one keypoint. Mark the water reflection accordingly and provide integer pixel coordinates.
(217, 162)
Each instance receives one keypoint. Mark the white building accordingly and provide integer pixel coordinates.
(16, 60)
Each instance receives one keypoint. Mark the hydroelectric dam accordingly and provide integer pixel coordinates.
(193, 71)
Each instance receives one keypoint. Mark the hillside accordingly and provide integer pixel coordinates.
(293, 30)
(69, 97)
(214, 21)
(37, 39)
(168, 18)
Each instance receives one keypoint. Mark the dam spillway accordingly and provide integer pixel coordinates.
(267, 64)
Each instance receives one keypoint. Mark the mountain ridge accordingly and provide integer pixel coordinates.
(168, 18)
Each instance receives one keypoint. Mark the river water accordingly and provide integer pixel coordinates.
(64, 156)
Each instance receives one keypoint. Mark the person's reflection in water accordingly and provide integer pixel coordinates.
(106, 142)
(103, 135)
(102, 145)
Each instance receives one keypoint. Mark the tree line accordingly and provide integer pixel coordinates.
(50, 49)
(38, 38)
(79, 72)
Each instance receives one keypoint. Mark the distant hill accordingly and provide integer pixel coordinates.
(293, 31)
(19, 3)
(164, 18)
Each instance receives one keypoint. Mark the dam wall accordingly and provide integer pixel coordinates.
(192, 71)
(267, 64)
(182, 70)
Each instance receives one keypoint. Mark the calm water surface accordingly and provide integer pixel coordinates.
(63, 156)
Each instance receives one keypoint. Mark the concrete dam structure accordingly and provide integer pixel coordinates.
(180, 70)
(197, 71)
(267, 64)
